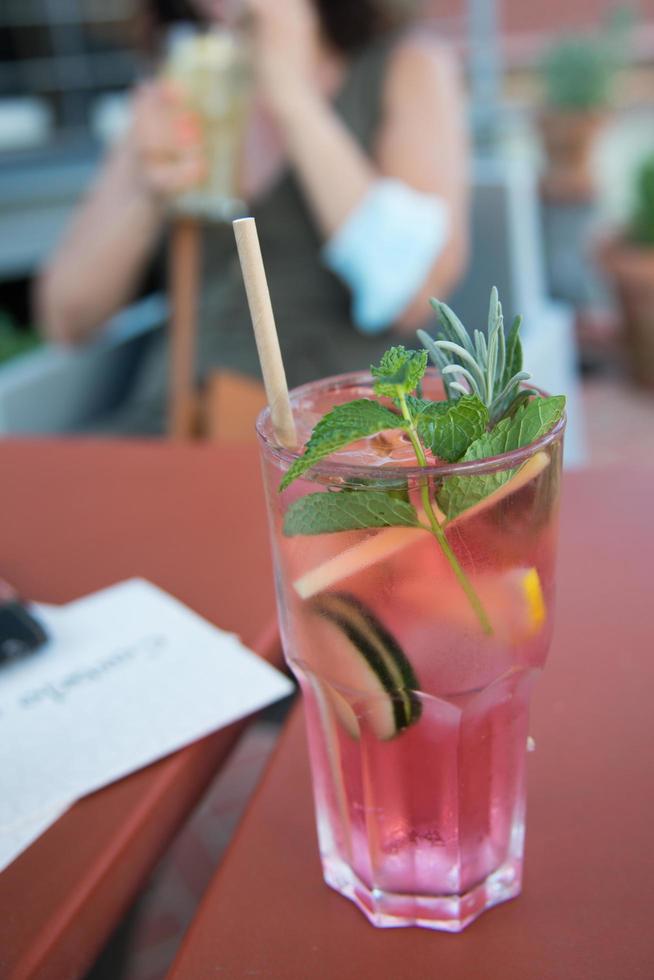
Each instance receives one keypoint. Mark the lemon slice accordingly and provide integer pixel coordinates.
(533, 595)
(512, 597)
(515, 603)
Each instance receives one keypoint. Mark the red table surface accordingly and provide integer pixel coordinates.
(586, 907)
(77, 516)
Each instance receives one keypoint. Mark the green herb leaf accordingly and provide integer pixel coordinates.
(529, 423)
(488, 366)
(400, 372)
(347, 510)
(448, 428)
(344, 424)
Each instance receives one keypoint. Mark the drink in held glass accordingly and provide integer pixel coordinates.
(414, 544)
(210, 69)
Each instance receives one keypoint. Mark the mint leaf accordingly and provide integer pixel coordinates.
(400, 372)
(426, 414)
(448, 428)
(347, 510)
(344, 424)
(530, 422)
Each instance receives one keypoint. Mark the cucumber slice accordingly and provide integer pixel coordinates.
(357, 652)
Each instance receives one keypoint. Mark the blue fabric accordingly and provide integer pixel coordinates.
(385, 249)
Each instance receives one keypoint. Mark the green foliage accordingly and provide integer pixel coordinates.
(641, 229)
(486, 414)
(578, 74)
(579, 69)
(13, 341)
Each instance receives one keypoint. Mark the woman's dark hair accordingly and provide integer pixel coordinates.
(151, 17)
(348, 24)
(351, 24)
(172, 11)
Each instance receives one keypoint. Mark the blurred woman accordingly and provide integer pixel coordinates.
(355, 170)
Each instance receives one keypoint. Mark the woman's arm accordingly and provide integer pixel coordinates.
(333, 170)
(96, 267)
(422, 141)
(98, 262)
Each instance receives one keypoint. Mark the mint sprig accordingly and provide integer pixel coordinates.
(397, 376)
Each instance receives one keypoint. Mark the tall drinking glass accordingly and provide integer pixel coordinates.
(417, 719)
(211, 69)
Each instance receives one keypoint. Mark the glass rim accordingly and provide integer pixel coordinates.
(350, 471)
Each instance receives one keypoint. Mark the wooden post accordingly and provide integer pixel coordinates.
(184, 278)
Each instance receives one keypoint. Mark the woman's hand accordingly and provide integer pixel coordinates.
(97, 264)
(166, 141)
(285, 35)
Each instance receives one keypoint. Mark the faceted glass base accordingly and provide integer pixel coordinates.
(426, 828)
(448, 913)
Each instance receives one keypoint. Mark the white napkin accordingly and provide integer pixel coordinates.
(129, 675)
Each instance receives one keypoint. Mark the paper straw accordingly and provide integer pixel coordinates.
(265, 332)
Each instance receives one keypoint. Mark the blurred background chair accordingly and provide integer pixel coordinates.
(59, 390)
(232, 404)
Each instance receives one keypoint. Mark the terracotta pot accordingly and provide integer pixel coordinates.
(568, 140)
(631, 270)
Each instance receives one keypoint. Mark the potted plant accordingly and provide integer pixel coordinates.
(628, 260)
(578, 73)
(14, 341)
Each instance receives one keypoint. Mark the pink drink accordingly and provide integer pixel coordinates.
(421, 822)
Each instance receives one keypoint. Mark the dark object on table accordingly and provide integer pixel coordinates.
(20, 632)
